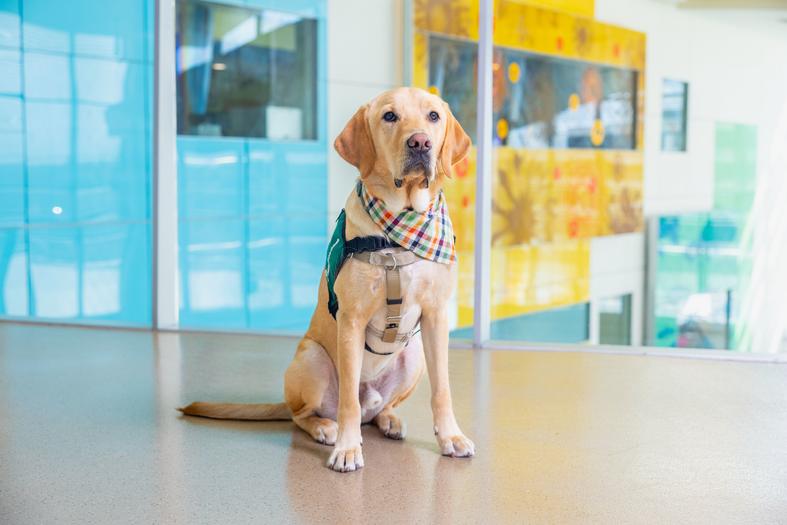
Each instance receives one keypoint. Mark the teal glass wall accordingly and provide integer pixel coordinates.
(75, 160)
(704, 260)
(252, 162)
(567, 324)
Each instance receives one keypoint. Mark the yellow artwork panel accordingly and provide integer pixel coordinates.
(520, 25)
(576, 7)
(546, 206)
(547, 202)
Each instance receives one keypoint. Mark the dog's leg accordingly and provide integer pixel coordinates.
(306, 383)
(347, 455)
(410, 369)
(452, 441)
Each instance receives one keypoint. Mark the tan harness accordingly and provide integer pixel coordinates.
(393, 291)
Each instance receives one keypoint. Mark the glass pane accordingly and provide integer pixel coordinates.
(245, 72)
(674, 114)
(252, 241)
(530, 91)
(568, 157)
(615, 320)
(704, 294)
(75, 161)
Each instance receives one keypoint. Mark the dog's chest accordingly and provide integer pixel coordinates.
(417, 282)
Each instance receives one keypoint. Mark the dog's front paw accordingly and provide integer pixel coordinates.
(346, 458)
(457, 446)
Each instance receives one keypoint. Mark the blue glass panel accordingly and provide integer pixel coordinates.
(112, 29)
(10, 115)
(267, 191)
(113, 168)
(113, 83)
(97, 273)
(279, 173)
(286, 256)
(9, 23)
(96, 170)
(11, 156)
(78, 163)
(13, 273)
(116, 281)
(54, 266)
(10, 70)
(51, 177)
(568, 324)
(268, 288)
(253, 211)
(313, 8)
(48, 76)
(212, 267)
(210, 177)
(304, 166)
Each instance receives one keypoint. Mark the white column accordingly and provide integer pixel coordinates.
(165, 174)
(483, 197)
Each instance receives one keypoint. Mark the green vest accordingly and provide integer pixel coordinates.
(334, 260)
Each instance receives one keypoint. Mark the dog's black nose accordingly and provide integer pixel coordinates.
(419, 142)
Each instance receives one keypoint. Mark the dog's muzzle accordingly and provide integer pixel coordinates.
(416, 160)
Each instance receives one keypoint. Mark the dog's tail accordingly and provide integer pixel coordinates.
(247, 412)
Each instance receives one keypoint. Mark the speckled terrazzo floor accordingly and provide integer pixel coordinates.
(89, 434)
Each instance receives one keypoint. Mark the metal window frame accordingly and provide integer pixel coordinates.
(482, 292)
(165, 281)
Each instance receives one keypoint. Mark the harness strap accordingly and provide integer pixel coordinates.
(401, 338)
(367, 244)
(393, 300)
(392, 260)
(369, 349)
(393, 286)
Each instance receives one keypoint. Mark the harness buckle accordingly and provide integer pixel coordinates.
(393, 321)
(393, 262)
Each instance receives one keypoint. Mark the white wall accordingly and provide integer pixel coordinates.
(365, 56)
(617, 267)
(736, 73)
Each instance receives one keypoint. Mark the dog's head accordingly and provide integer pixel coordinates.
(406, 136)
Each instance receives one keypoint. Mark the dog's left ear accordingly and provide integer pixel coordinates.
(455, 145)
(354, 144)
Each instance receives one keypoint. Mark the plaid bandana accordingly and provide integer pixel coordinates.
(428, 235)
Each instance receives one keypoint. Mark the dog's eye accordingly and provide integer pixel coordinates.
(390, 116)
(433, 116)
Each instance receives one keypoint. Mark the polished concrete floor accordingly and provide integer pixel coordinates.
(89, 434)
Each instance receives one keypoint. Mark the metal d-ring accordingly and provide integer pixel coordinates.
(393, 258)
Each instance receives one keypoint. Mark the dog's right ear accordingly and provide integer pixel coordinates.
(354, 144)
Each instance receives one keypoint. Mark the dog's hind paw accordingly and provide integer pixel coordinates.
(324, 431)
(391, 425)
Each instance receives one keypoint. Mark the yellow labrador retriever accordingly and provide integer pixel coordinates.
(346, 371)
